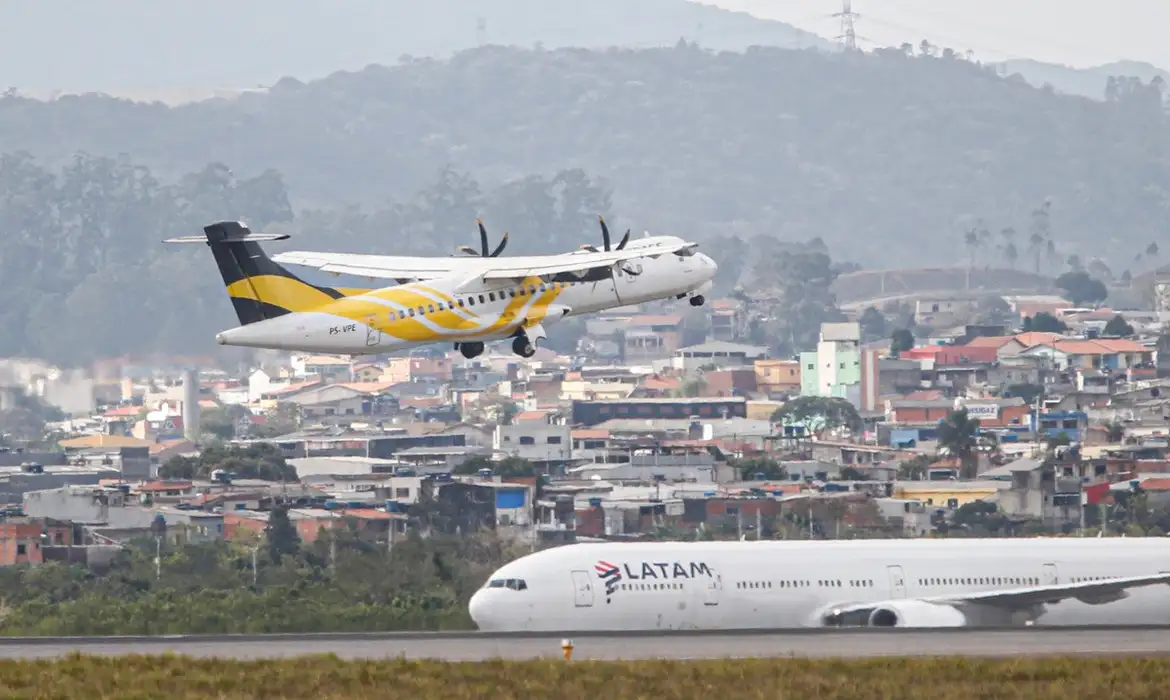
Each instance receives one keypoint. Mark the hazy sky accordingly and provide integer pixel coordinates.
(1078, 33)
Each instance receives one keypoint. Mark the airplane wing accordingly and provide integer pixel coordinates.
(379, 266)
(1091, 592)
(947, 611)
(519, 268)
(473, 268)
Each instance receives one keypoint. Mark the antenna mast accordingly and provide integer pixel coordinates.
(848, 35)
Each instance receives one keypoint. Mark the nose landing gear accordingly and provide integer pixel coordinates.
(697, 300)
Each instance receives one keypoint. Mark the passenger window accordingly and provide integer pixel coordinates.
(411, 312)
(532, 289)
(521, 292)
(542, 287)
(431, 307)
(491, 296)
(481, 299)
(461, 303)
(512, 292)
(471, 301)
(421, 310)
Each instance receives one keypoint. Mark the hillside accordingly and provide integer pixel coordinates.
(1086, 82)
(141, 47)
(889, 160)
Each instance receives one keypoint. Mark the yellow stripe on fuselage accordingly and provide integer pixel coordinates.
(366, 306)
(285, 292)
(418, 329)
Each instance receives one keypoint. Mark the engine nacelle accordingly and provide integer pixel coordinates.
(916, 613)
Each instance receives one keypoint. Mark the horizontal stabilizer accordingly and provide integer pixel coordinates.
(245, 238)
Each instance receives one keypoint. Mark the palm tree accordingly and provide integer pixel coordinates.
(959, 435)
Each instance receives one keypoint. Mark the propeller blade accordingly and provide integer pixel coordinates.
(604, 232)
(483, 241)
(625, 239)
(500, 248)
(590, 248)
(467, 250)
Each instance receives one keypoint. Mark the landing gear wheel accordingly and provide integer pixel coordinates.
(522, 347)
(697, 300)
(470, 350)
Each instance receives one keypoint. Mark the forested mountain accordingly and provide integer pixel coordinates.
(887, 160)
(1087, 82)
(119, 46)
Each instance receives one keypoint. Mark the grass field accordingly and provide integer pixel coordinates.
(327, 678)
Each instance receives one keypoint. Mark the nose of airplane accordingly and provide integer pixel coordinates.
(477, 608)
(708, 265)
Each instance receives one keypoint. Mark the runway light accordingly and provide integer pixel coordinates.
(567, 649)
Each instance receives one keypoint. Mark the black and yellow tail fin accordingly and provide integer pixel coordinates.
(259, 288)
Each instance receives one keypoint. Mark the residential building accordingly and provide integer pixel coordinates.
(840, 368)
(778, 376)
(718, 354)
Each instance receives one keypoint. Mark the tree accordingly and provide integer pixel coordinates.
(280, 535)
(1081, 289)
(1114, 432)
(1118, 326)
(819, 414)
(1028, 392)
(758, 468)
(1044, 322)
(901, 341)
(256, 461)
(873, 324)
(958, 434)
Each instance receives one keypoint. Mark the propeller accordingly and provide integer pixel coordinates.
(605, 238)
(483, 243)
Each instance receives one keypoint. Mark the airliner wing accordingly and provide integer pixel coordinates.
(519, 268)
(486, 269)
(378, 266)
(953, 610)
(1091, 592)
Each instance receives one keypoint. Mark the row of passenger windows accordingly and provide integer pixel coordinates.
(992, 581)
(823, 583)
(650, 587)
(470, 300)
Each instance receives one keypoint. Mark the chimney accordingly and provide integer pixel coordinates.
(191, 429)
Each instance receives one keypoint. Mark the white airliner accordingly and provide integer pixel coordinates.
(468, 302)
(787, 584)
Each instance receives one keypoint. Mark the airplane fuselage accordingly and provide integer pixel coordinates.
(453, 310)
(788, 584)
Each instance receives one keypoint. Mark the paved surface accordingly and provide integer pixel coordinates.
(474, 647)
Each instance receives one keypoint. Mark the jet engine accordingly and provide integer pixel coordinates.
(915, 613)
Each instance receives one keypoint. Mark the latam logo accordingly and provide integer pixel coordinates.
(612, 574)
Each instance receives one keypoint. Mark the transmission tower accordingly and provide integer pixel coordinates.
(848, 35)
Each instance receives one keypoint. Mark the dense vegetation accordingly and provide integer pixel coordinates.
(889, 159)
(340, 582)
(329, 678)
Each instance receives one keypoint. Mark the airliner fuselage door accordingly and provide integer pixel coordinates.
(711, 595)
(897, 582)
(583, 587)
(1051, 576)
(373, 331)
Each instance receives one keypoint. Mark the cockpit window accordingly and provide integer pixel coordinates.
(516, 584)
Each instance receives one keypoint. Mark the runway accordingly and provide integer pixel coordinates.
(480, 646)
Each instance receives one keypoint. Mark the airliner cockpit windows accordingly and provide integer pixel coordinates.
(516, 584)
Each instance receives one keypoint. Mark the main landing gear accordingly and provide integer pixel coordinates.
(470, 350)
(522, 346)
